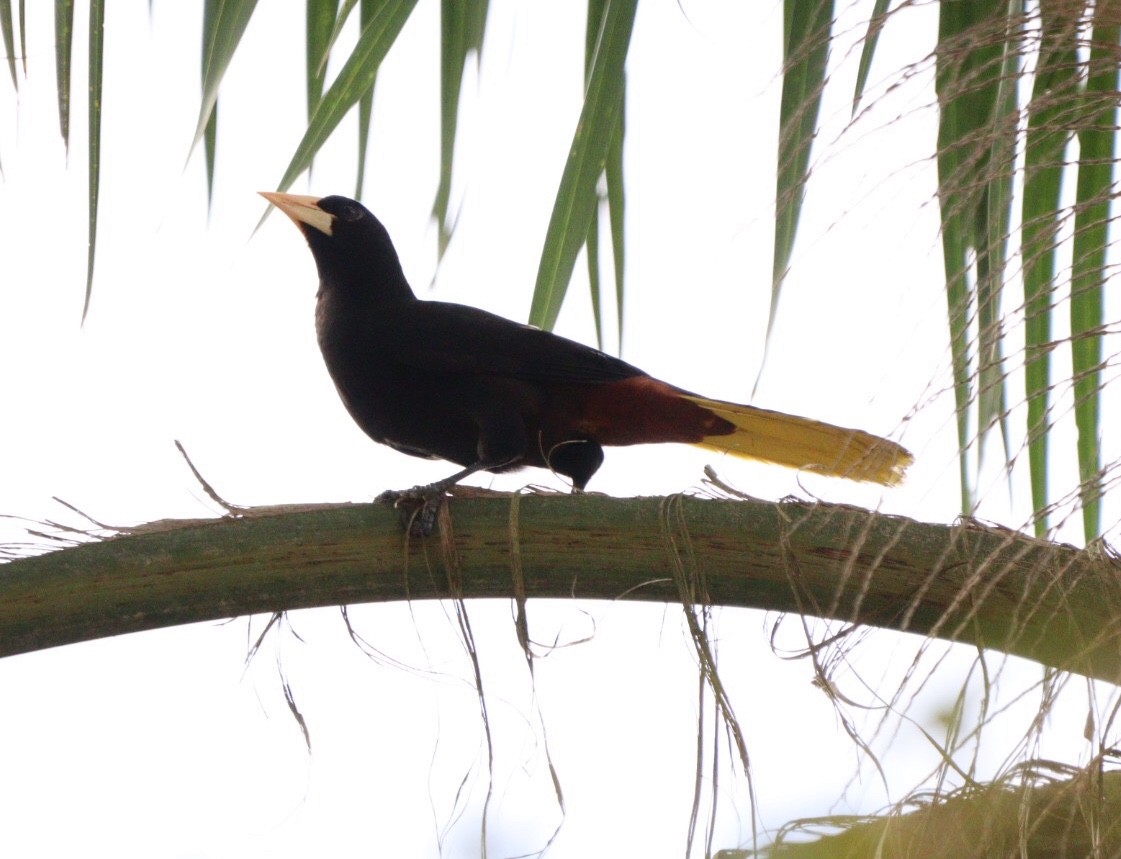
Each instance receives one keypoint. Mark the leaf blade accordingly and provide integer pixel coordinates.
(23, 36)
(805, 55)
(1096, 140)
(64, 39)
(354, 79)
(1056, 84)
(616, 208)
(576, 196)
(320, 33)
(462, 24)
(365, 103)
(224, 23)
(967, 91)
(992, 226)
(210, 149)
(96, 64)
(593, 22)
(345, 8)
(7, 32)
(594, 281)
(871, 38)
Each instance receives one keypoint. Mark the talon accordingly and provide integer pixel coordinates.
(419, 506)
(390, 496)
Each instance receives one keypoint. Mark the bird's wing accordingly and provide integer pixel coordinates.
(439, 337)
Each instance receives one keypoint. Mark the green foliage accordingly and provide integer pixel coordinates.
(1005, 152)
(96, 61)
(575, 206)
(1046, 810)
(223, 24)
(462, 23)
(805, 54)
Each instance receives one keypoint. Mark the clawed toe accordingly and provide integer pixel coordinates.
(419, 507)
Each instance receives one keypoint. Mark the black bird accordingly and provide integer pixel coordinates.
(447, 381)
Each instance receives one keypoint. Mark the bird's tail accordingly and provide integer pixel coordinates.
(808, 444)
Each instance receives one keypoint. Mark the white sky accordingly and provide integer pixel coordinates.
(161, 743)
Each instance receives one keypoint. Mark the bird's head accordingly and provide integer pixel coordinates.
(352, 249)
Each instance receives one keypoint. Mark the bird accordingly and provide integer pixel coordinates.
(449, 381)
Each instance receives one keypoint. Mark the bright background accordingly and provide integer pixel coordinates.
(200, 330)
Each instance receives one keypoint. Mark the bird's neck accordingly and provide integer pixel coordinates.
(367, 274)
(367, 292)
(343, 310)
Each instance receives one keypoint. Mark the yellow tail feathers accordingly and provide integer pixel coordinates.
(805, 443)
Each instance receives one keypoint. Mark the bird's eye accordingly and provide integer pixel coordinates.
(350, 212)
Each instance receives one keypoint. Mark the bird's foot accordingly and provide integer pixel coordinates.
(419, 506)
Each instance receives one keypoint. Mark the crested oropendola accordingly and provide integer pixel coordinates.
(448, 381)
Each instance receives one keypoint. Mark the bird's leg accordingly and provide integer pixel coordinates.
(429, 491)
(501, 444)
(420, 504)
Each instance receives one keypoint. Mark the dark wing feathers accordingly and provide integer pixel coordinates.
(440, 337)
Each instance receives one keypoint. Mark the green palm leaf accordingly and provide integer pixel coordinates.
(355, 79)
(96, 62)
(805, 54)
(462, 23)
(223, 25)
(63, 40)
(1049, 117)
(1096, 139)
(577, 196)
(7, 32)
